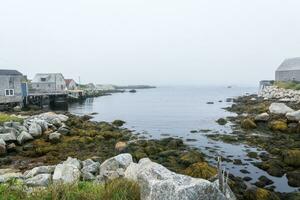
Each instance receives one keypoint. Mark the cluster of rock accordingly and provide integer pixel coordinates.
(284, 95)
(13, 133)
(155, 181)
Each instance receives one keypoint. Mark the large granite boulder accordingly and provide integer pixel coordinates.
(35, 130)
(41, 180)
(54, 137)
(68, 171)
(279, 108)
(159, 183)
(293, 116)
(23, 137)
(8, 136)
(39, 170)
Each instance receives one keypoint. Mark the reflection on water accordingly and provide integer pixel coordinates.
(175, 111)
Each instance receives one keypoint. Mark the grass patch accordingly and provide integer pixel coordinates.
(288, 85)
(8, 118)
(119, 189)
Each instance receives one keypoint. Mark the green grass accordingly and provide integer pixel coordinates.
(119, 189)
(7, 118)
(288, 85)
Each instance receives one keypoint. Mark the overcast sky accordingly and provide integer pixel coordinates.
(161, 42)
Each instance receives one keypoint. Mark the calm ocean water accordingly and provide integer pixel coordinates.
(175, 111)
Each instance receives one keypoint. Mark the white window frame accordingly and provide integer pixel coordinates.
(11, 92)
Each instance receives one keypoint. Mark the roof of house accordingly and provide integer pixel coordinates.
(68, 81)
(50, 77)
(290, 64)
(10, 72)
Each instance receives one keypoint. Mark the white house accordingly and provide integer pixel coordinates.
(47, 83)
(289, 70)
(71, 84)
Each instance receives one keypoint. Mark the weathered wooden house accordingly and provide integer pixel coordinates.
(11, 87)
(48, 83)
(289, 70)
(71, 84)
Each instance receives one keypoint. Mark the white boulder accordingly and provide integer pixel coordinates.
(35, 130)
(66, 173)
(39, 170)
(279, 108)
(293, 116)
(158, 183)
(41, 180)
(8, 136)
(114, 163)
(262, 117)
(23, 137)
(54, 137)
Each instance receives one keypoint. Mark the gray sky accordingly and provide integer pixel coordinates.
(152, 42)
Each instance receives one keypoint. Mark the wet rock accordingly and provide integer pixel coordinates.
(193, 131)
(41, 180)
(237, 162)
(252, 154)
(279, 108)
(8, 137)
(263, 117)
(209, 102)
(244, 171)
(200, 170)
(157, 182)
(54, 137)
(191, 157)
(39, 170)
(260, 194)
(35, 130)
(263, 181)
(248, 124)
(278, 125)
(222, 121)
(11, 147)
(273, 167)
(293, 178)
(292, 157)
(23, 137)
(293, 116)
(247, 178)
(121, 147)
(118, 123)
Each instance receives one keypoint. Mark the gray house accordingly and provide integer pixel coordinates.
(10, 87)
(48, 83)
(289, 70)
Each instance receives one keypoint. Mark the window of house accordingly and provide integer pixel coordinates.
(43, 79)
(9, 92)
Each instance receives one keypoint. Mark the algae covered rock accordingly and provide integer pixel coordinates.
(200, 170)
(248, 124)
(278, 125)
(191, 157)
(118, 123)
(293, 178)
(292, 157)
(260, 194)
(222, 121)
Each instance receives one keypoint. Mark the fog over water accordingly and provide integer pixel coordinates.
(190, 42)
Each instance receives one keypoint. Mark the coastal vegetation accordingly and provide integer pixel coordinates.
(118, 189)
(287, 85)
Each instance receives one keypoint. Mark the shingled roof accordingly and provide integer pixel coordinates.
(290, 64)
(8, 72)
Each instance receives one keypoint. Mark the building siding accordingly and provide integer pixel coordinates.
(291, 75)
(10, 82)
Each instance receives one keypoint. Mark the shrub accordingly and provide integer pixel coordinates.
(8, 118)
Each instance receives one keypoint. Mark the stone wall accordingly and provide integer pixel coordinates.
(284, 95)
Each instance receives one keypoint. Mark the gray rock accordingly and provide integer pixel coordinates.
(11, 147)
(279, 108)
(39, 170)
(8, 137)
(66, 173)
(9, 176)
(23, 137)
(7, 124)
(63, 130)
(35, 130)
(73, 161)
(54, 137)
(41, 180)
(2, 147)
(114, 163)
(158, 183)
(263, 117)
(43, 124)
(90, 166)
(293, 116)
(87, 176)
